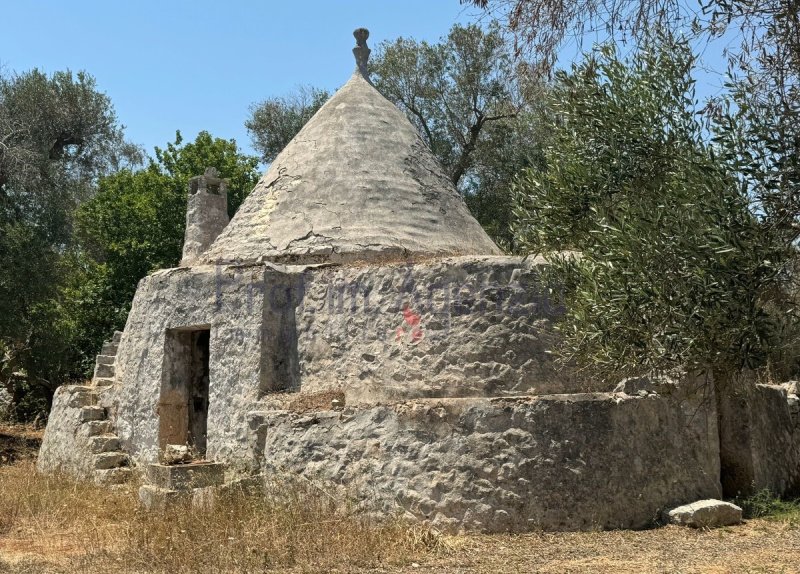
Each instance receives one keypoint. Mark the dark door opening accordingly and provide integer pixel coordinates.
(183, 405)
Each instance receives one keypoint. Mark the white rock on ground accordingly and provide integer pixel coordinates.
(706, 514)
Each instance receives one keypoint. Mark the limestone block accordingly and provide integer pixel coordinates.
(705, 514)
(93, 413)
(759, 441)
(157, 499)
(104, 371)
(185, 476)
(109, 349)
(176, 454)
(99, 444)
(107, 460)
(113, 476)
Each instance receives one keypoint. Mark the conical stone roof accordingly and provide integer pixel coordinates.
(357, 183)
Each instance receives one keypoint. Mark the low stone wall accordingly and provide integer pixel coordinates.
(759, 440)
(561, 462)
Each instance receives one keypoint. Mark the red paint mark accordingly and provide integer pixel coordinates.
(413, 322)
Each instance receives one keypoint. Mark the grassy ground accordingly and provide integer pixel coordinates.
(53, 524)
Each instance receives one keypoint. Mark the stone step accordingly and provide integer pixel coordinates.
(103, 371)
(82, 397)
(117, 337)
(97, 428)
(107, 460)
(103, 381)
(185, 476)
(111, 476)
(104, 443)
(92, 414)
(105, 359)
(109, 349)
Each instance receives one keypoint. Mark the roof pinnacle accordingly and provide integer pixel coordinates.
(361, 51)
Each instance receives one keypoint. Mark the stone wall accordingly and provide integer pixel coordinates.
(466, 326)
(560, 462)
(759, 440)
(65, 445)
(230, 302)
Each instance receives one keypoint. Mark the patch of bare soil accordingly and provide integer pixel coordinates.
(310, 402)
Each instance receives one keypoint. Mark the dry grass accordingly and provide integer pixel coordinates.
(53, 524)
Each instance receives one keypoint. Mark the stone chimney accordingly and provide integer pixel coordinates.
(206, 214)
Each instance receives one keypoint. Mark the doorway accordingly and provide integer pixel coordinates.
(183, 404)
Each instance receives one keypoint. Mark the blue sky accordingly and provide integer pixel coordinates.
(199, 65)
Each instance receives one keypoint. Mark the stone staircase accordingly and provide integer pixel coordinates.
(104, 369)
(110, 464)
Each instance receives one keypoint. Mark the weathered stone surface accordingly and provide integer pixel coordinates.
(185, 476)
(98, 444)
(65, 445)
(109, 349)
(459, 327)
(107, 460)
(113, 476)
(206, 214)
(92, 413)
(485, 323)
(176, 454)
(230, 301)
(562, 462)
(157, 499)
(705, 514)
(96, 428)
(356, 184)
(793, 400)
(103, 371)
(759, 442)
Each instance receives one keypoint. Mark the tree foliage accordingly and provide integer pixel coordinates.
(58, 134)
(762, 39)
(275, 121)
(135, 224)
(675, 270)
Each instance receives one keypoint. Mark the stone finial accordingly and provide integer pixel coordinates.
(361, 51)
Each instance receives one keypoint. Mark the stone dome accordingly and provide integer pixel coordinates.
(357, 183)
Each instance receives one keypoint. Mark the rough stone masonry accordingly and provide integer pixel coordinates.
(354, 325)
